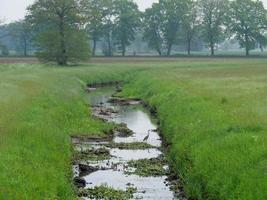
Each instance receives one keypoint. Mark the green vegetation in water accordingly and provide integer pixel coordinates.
(133, 146)
(108, 193)
(123, 131)
(92, 154)
(148, 167)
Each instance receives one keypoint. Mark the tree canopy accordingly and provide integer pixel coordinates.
(247, 21)
(152, 24)
(60, 37)
(173, 13)
(213, 15)
(127, 21)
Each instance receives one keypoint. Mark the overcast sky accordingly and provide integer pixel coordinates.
(11, 10)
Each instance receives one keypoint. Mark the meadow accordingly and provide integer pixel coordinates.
(213, 118)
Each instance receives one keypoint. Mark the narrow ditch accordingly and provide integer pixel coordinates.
(130, 164)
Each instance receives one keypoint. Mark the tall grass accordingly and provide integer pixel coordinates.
(212, 112)
(40, 108)
(213, 115)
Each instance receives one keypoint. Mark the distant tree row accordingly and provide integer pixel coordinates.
(170, 22)
(61, 29)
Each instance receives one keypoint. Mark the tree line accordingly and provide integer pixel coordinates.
(60, 30)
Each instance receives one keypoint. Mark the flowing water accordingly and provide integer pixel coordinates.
(113, 172)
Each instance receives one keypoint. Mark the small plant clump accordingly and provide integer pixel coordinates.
(148, 167)
(93, 154)
(123, 131)
(108, 193)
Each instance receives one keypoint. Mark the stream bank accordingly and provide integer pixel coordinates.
(130, 164)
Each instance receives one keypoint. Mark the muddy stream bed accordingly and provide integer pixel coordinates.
(131, 164)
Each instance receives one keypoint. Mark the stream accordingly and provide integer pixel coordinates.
(114, 171)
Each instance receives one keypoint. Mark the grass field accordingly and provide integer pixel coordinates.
(213, 115)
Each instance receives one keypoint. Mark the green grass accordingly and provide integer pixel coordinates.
(213, 114)
(40, 108)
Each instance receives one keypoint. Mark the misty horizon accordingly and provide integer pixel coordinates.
(10, 13)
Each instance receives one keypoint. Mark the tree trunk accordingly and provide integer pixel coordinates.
(94, 47)
(210, 36)
(109, 46)
(247, 50)
(158, 49)
(247, 45)
(169, 49)
(189, 46)
(25, 48)
(261, 48)
(123, 49)
(159, 52)
(212, 50)
(62, 60)
(212, 47)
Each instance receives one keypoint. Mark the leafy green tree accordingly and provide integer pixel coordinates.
(127, 21)
(109, 26)
(152, 23)
(60, 37)
(247, 21)
(94, 11)
(213, 14)
(22, 34)
(173, 13)
(190, 25)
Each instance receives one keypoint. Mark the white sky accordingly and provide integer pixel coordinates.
(11, 10)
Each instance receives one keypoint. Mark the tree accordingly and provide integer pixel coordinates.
(109, 26)
(247, 21)
(213, 13)
(94, 12)
(262, 41)
(190, 24)
(60, 37)
(152, 23)
(127, 21)
(4, 34)
(22, 35)
(173, 13)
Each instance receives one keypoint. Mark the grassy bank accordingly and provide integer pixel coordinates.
(214, 117)
(212, 113)
(40, 107)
